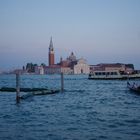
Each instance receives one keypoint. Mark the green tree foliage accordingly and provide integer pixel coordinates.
(30, 67)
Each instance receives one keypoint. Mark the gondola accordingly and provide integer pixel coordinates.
(134, 87)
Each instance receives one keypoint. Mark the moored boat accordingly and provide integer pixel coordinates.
(134, 87)
(112, 75)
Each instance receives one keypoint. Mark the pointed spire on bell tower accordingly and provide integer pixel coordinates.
(51, 45)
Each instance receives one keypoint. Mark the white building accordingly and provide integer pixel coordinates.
(81, 67)
(39, 70)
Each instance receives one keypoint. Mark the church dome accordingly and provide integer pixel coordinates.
(72, 57)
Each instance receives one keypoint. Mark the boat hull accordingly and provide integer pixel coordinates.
(133, 87)
(118, 76)
(112, 78)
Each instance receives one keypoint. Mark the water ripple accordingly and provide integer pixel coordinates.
(87, 109)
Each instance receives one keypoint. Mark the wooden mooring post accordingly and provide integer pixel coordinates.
(17, 87)
(62, 82)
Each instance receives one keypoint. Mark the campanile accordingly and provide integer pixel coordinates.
(51, 53)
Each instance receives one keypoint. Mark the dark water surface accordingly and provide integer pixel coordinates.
(87, 110)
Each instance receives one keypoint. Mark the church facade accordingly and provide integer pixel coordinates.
(81, 67)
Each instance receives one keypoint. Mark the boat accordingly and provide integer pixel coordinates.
(112, 75)
(134, 87)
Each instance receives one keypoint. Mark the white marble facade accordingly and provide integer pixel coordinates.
(81, 67)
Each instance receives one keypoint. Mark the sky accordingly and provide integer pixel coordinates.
(101, 31)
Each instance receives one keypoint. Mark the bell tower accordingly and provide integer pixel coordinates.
(51, 53)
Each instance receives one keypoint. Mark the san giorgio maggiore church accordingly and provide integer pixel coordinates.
(71, 65)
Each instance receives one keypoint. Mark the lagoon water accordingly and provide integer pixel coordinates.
(87, 110)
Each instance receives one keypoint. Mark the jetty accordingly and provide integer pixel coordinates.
(30, 91)
(27, 92)
(9, 89)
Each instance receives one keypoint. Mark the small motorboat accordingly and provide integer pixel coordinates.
(134, 87)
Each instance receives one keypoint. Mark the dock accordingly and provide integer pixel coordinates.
(28, 92)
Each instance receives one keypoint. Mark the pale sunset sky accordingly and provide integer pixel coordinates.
(101, 31)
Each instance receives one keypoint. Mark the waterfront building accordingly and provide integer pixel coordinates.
(39, 70)
(77, 66)
(117, 67)
(67, 70)
(69, 62)
(124, 68)
(57, 69)
(53, 69)
(64, 63)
